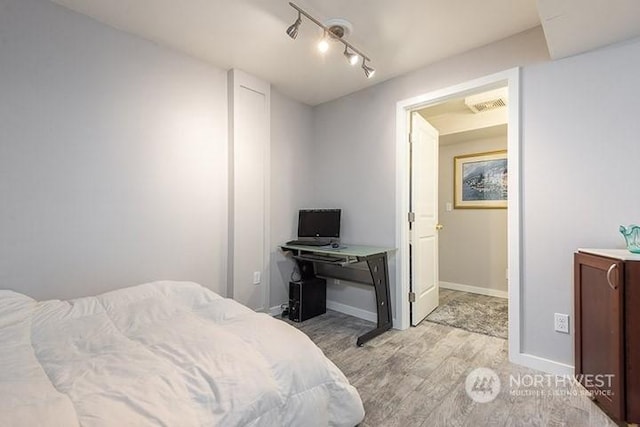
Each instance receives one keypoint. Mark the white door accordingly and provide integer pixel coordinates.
(424, 205)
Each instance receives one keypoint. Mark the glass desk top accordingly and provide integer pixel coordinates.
(344, 249)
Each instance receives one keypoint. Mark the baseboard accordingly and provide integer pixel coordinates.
(541, 364)
(276, 310)
(352, 311)
(474, 289)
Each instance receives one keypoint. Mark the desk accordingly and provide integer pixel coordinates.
(347, 263)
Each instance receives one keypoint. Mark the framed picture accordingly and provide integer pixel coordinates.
(480, 180)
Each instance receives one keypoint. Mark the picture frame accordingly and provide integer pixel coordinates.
(481, 180)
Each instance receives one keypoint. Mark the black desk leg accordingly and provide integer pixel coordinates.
(379, 269)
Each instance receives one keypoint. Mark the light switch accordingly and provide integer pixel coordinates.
(256, 277)
(448, 206)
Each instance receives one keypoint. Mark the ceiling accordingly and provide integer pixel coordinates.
(498, 131)
(456, 122)
(399, 36)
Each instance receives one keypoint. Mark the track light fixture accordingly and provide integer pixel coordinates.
(334, 32)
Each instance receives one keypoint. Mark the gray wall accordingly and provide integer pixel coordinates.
(291, 183)
(354, 147)
(113, 158)
(473, 243)
(579, 149)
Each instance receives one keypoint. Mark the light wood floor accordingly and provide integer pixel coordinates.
(416, 378)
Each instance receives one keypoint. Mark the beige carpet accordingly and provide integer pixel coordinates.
(474, 313)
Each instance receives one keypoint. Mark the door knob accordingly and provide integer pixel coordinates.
(439, 227)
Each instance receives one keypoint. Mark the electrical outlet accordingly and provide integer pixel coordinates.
(561, 322)
(336, 281)
(256, 277)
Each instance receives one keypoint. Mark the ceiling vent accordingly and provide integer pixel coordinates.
(487, 100)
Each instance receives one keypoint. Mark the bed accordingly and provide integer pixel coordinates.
(162, 353)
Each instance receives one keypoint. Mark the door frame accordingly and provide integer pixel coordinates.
(510, 78)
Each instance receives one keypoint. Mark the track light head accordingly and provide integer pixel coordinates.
(292, 31)
(352, 58)
(368, 71)
(323, 44)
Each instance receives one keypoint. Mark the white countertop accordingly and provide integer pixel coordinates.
(621, 254)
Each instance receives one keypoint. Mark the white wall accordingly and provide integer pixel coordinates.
(354, 146)
(113, 158)
(291, 183)
(473, 243)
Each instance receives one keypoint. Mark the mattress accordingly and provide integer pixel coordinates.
(162, 353)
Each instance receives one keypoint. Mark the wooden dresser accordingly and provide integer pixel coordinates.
(607, 329)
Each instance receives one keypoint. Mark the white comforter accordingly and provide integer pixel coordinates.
(163, 353)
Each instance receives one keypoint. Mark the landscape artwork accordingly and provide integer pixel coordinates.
(481, 180)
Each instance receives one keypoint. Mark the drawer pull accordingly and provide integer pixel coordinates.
(609, 271)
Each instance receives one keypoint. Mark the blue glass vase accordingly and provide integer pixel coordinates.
(632, 236)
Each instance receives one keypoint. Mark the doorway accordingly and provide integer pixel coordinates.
(472, 212)
(510, 80)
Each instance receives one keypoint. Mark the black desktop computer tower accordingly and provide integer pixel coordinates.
(307, 299)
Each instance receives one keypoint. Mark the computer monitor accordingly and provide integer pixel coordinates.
(323, 224)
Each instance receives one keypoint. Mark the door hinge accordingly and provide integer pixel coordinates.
(410, 138)
(412, 217)
(412, 297)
